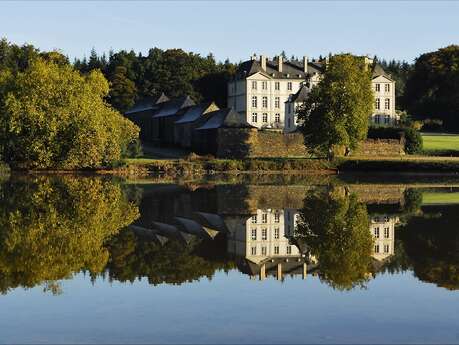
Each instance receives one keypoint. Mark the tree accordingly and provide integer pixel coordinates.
(335, 228)
(337, 111)
(52, 227)
(53, 117)
(122, 90)
(432, 90)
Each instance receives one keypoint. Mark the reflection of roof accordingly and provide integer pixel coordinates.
(225, 118)
(210, 220)
(194, 112)
(148, 103)
(171, 107)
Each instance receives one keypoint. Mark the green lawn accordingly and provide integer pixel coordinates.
(440, 198)
(441, 143)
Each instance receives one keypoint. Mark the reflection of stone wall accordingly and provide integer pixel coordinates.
(378, 194)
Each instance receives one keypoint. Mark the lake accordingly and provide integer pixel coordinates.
(269, 259)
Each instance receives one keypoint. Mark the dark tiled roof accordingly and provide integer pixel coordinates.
(148, 103)
(379, 71)
(192, 113)
(171, 107)
(291, 69)
(225, 118)
(301, 95)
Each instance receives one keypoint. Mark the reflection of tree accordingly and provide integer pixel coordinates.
(52, 227)
(335, 227)
(431, 245)
(174, 262)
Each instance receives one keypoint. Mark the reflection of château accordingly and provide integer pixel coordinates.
(383, 231)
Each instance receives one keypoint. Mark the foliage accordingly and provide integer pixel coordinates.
(337, 110)
(53, 227)
(52, 117)
(432, 90)
(173, 72)
(122, 90)
(133, 256)
(432, 125)
(413, 141)
(335, 228)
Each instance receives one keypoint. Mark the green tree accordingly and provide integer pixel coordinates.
(53, 117)
(51, 228)
(432, 90)
(122, 90)
(335, 228)
(337, 111)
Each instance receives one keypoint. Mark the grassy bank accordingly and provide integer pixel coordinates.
(441, 144)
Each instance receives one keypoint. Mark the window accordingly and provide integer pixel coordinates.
(263, 250)
(386, 248)
(254, 101)
(254, 250)
(276, 250)
(276, 233)
(254, 85)
(265, 117)
(277, 86)
(376, 232)
(387, 87)
(378, 87)
(264, 234)
(377, 248)
(277, 102)
(254, 219)
(265, 102)
(264, 218)
(254, 234)
(276, 218)
(377, 105)
(289, 249)
(254, 117)
(289, 123)
(264, 85)
(386, 119)
(387, 104)
(386, 232)
(290, 107)
(378, 119)
(277, 118)
(289, 86)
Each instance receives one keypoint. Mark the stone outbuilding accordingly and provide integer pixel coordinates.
(192, 118)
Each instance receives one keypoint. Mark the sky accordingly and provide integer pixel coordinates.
(235, 29)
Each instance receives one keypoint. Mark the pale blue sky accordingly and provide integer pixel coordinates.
(235, 29)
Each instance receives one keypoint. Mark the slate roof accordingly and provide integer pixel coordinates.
(193, 113)
(291, 69)
(171, 107)
(301, 95)
(148, 103)
(225, 118)
(379, 71)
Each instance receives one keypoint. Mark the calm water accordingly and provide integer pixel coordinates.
(92, 260)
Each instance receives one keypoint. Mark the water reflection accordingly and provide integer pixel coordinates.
(173, 234)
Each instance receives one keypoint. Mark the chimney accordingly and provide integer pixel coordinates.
(305, 64)
(279, 63)
(253, 57)
(263, 62)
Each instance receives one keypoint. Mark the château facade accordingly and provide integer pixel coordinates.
(268, 92)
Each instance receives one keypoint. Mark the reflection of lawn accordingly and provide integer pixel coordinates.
(440, 198)
(441, 143)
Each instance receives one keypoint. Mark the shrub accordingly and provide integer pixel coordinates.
(413, 141)
(432, 125)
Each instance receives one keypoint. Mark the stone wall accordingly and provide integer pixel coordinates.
(381, 147)
(250, 142)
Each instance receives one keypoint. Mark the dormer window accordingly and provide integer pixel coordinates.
(299, 75)
(287, 75)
